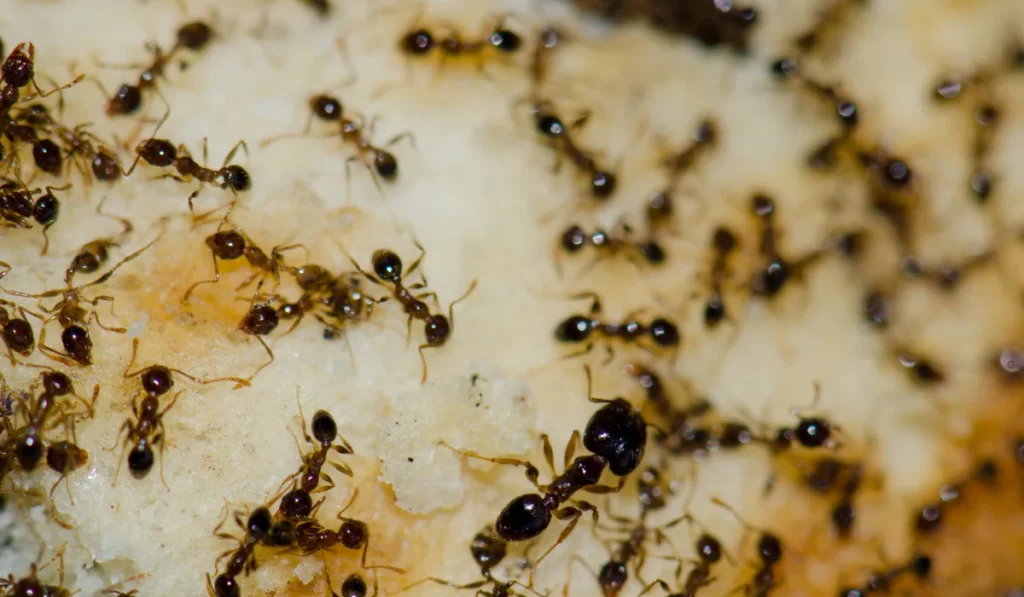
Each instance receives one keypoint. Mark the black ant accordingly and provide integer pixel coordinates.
(846, 110)
(73, 318)
(354, 585)
(17, 207)
(330, 109)
(723, 243)
(573, 239)
(243, 558)
(233, 177)
(77, 142)
(63, 458)
(229, 245)
(920, 369)
(769, 551)
(709, 553)
(128, 98)
(387, 266)
(325, 433)
(550, 126)
(919, 565)
(421, 42)
(661, 206)
(540, 61)
(772, 278)
(27, 441)
(659, 398)
(16, 332)
(260, 320)
(987, 118)
(578, 328)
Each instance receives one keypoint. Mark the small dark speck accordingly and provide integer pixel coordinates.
(410, 459)
(478, 405)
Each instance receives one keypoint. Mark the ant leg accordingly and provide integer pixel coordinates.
(590, 387)
(473, 585)
(549, 455)
(406, 135)
(451, 305)
(595, 304)
(570, 448)
(216, 278)
(93, 316)
(343, 468)
(328, 487)
(531, 471)
(231, 154)
(238, 380)
(423, 360)
(416, 264)
(264, 365)
(573, 515)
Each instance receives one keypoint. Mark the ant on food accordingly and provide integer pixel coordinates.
(243, 558)
(769, 551)
(578, 328)
(325, 433)
(557, 135)
(420, 42)
(16, 332)
(661, 205)
(573, 239)
(437, 328)
(17, 206)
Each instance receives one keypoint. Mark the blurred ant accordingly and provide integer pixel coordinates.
(928, 518)
(987, 118)
(17, 207)
(723, 243)
(73, 318)
(661, 205)
(243, 558)
(77, 143)
(659, 398)
(194, 35)
(26, 441)
(16, 332)
(574, 239)
(709, 552)
(421, 42)
(65, 457)
(325, 433)
(30, 586)
(919, 565)
(387, 266)
(828, 21)
(354, 585)
(330, 109)
(540, 61)
(921, 370)
(769, 551)
(772, 278)
(557, 135)
(578, 328)
(260, 320)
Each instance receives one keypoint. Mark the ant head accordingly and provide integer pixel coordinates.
(297, 503)
(602, 184)
(77, 343)
(734, 435)
(574, 329)
(723, 240)
(387, 265)
(709, 550)
(353, 586)
(847, 112)
(617, 433)
(652, 252)
(105, 167)
(813, 432)
(896, 173)
(226, 244)
(981, 185)
(157, 380)
(1010, 362)
(29, 450)
(354, 534)
(784, 67)
(770, 281)
(573, 239)
(194, 35)
(237, 178)
(769, 548)
(326, 107)
(612, 576)
(921, 565)
(260, 320)
(418, 42)
(47, 156)
(660, 206)
(487, 548)
(385, 164)
(947, 89)
(664, 332)
(140, 460)
(550, 125)
(56, 383)
(324, 429)
(127, 100)
(259, 522)
(505, 40)
(525, 517)
(226, 586)
(18, 70)
(436, 330)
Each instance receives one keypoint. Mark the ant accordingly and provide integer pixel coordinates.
(421, 42)
(920, 369)
(540, 61)
(243, 558)
(17, 205)
(73, 318)
(17, 71)
(661, 206)
(615, 431)
(1009, 361)
(930, 517)
(387, 266)
(330, 109)
(656, 395)
(772, 278)
(27, 441)
(846, 110)
(769, 551)
(65, 457)
(578, 328)
(723, 243)
(709, 552)
(824, 476)
(16, 332)
(93, 254)
(354, 585)
(574, 239)
(602, 182)
(229, 245)
(325, 432)
(987, 118)
(920, 565)
(77, 142)
(233, 177)
(31, 586)
(128, 98)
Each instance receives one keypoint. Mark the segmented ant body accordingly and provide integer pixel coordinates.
(919, 566)
(17, 207)
(229, 245)
(769, 280)
(16, 332)
(661, 205)
(437, 328)
(243, 558)
(78, 144)
(325, 433)
(574, 239)
(421, 42)
(579, 328)
(27, 442)
(128, 98)
(557, 135)
(723, 243)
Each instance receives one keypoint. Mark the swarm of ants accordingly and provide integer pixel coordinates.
(637, 450)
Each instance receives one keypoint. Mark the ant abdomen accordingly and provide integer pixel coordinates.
(436, 330)
(525, 517)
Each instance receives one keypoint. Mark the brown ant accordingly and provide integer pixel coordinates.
(574, 239)
(578, 328)
(243, 558)
(846, 110)
(94, 254)
(260, 320)
(769, 551)
(921, 370)
(17, 206)
(353, 534)
(194, 35)
(928, 518)
(229, 245)
(387, 266)
(31, 586)
(421, 42)
(325, 433)
(17, 71)
(709, 552)
(772, 278)
(16, 332)
(27, 442)
(661, 205)
(987, 118)
(330, 109)
(73, 318)
(557, 134)
(77, 142)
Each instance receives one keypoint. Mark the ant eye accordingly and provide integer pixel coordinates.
(325, 430)
(387, 265)
(17, 70)
(140, 460)
(418, 42)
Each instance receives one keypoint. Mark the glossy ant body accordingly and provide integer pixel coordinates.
(421, 42)
(325, 433)
(76, 141)
(769, 552)
(574, 239)
(772, 278)
(128, 98)
(27, 442)
(73, 318)
(661, 205)
(228, 245)
(919, 565)
(16, 332)
(243, 558)
(723, 243)
(557, 135)
(437, 328)
(846, 110)
(17, 207)
(579, 328)
(260, 320)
